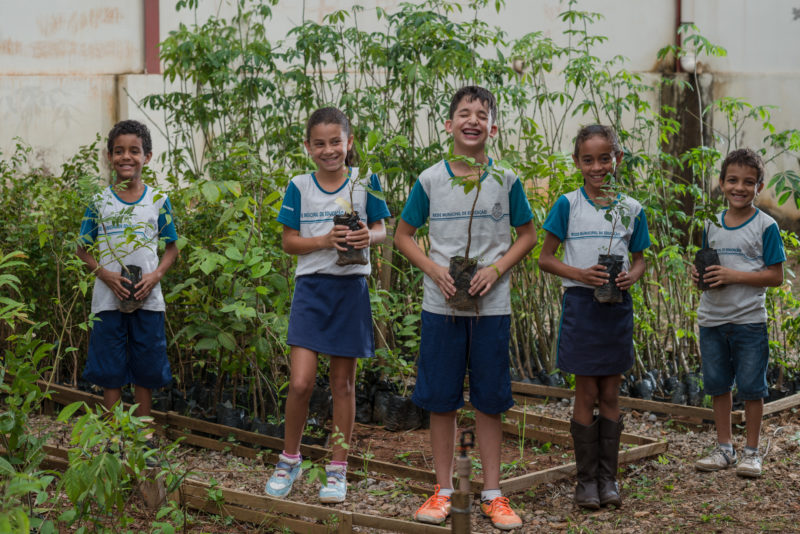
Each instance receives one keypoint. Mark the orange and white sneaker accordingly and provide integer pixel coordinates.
(501, 514)
(435, 510)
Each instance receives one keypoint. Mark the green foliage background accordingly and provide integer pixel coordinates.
(235, 103)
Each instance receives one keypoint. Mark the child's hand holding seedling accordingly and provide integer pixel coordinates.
(360, 238)
(441, 276)
(596, 275)
(114, 281)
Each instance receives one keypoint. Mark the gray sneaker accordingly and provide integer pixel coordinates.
(749, 465)
(718, 459)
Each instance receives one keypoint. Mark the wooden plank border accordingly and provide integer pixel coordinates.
(64, 395)
(782, 404)
(182, 426)
(525, 482)
(264, 503)
(668, 408)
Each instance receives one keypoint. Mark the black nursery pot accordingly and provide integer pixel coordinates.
(351, 256)
(402, 414)
(462, 270)
(609, 292)
(703, 259)
(132, 276)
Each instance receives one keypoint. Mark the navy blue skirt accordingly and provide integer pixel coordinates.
(595, 339)
(331, 314)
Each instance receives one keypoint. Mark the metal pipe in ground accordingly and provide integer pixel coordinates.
(461, 501)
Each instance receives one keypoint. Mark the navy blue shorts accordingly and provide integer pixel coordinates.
(595, 339)
(332, 315)
(128, 348)
(737, 352)
(452, 345)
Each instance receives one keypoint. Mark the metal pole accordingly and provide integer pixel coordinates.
(461, 507)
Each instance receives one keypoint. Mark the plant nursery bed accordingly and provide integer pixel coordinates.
(524, 463)
(661, 493)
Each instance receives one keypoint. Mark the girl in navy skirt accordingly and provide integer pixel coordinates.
(330, 309)
(595, 340)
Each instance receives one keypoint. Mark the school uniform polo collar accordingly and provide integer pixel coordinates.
(144, 192)
(589, 200)
(347, 181)
(725, 226)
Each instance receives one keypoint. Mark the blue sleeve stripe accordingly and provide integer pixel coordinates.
(88, 231)
(290, 209)
(773, 245)
(519, 207)
(557, 221)
(166, 223)
(640, 239)
(376, 207)
(417, 206)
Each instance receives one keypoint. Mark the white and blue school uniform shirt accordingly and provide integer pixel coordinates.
(132, 231)
(500, 206)
(584, 231)
(310, 209)
(749, 247)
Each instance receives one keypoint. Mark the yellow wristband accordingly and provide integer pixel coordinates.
(496, 269)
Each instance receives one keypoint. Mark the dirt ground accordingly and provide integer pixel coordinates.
(661, 494)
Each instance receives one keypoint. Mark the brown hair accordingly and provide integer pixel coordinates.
(472, 92)
(332, 115)
(746, 157)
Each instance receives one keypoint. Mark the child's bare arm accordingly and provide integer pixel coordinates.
(486, 277)
(149, 280)
(294, 243)
(366, 236)
(626, 279)
(110, 278)
(717, 275)
(407, 245)
(595, 275)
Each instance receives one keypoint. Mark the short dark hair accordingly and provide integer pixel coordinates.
(586, 132)
(332, 115)
(746, 157)
(472, 92)
(130, 127)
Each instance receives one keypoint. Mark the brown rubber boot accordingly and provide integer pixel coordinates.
(585, 439)
(608, 488)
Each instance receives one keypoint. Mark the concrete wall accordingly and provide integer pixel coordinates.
(67, 67)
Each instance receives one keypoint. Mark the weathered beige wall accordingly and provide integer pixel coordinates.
(65, 37)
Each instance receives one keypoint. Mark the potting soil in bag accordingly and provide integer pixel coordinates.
(229, 415)
(703, 259)
(319, 407)
(351, 256)
(462, 270)
(132, 275)
(363, 407)
(693, 390)
(609, 292)
(401, 414)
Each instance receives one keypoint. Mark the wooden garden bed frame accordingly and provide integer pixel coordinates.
(668, 408)
(264, 510)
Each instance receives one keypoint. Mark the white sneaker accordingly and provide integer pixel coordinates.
(749, 465)
(335, 491)
(718, 459)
